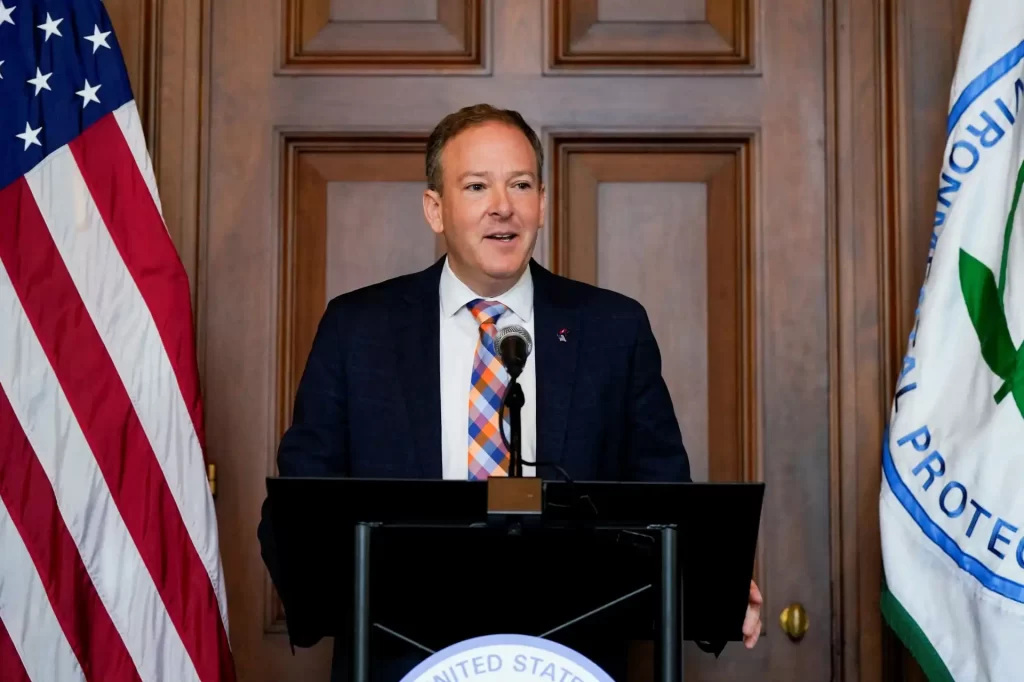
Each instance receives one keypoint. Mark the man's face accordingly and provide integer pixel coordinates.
(491, 207)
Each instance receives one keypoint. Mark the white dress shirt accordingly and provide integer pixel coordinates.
(459, 334)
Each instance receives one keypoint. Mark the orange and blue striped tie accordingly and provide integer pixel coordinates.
(488, 455)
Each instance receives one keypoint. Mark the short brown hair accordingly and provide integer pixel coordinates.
(454, 123)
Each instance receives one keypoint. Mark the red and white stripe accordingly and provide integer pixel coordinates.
(32, 645)
(102, 401)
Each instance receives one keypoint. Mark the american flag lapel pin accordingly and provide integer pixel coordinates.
(561, 335)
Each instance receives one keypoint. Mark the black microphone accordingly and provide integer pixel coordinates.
(512, 345)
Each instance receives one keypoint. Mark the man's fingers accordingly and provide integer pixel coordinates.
(751, 632)
(755, 594)
(752, 622)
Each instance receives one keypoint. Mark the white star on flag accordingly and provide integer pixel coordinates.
(5, 14)
(88, 93)
(30, 136)
(40, 81)
(1, 64)
(50, 27)
(98, 39)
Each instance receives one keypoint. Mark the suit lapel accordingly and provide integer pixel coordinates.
(417, 344)
(555, 361)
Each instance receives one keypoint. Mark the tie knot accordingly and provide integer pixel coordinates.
(486, 312)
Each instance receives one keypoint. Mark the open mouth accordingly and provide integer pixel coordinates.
(502, 237)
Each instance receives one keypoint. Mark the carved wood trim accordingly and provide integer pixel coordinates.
(311, 42)
(858, 223)
(725, 42)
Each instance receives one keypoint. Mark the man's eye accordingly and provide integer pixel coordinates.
(475, 187)
(523, 185)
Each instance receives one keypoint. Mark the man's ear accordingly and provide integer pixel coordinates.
(432, 210)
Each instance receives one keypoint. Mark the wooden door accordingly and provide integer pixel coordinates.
(685, 150)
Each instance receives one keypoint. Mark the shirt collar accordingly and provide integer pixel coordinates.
(455, 294)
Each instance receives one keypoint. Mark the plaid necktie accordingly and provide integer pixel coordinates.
(487, 453)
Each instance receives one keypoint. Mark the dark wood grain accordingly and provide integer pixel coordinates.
(791, 290)
(860, 62)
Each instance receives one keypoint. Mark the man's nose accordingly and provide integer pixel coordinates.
(500, 204)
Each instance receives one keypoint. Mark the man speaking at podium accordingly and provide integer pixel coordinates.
(403, 381)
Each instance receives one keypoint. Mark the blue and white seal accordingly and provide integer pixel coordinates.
(507, 658)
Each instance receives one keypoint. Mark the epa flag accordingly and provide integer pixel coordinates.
(952, 498)
(109, 560)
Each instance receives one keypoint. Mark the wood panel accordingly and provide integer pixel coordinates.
(652, 10)
(667, 222)
(345, 196)
(651, 34)
(645, 229)
(350, 35)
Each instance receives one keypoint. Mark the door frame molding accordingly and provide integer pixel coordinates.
(859, 51)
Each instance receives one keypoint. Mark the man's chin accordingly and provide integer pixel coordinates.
(505, 271)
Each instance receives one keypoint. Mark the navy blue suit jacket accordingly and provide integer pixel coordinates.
(368, 403)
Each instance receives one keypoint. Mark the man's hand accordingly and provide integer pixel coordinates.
(752, 621)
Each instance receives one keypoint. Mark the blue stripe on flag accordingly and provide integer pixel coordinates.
(981, 83)
(1001, 586)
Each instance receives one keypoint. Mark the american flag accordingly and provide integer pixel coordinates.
(109, 560)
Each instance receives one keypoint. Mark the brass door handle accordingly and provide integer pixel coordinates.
(793, 621)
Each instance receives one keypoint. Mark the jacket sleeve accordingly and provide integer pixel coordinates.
(315, 443)
(655, 444)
